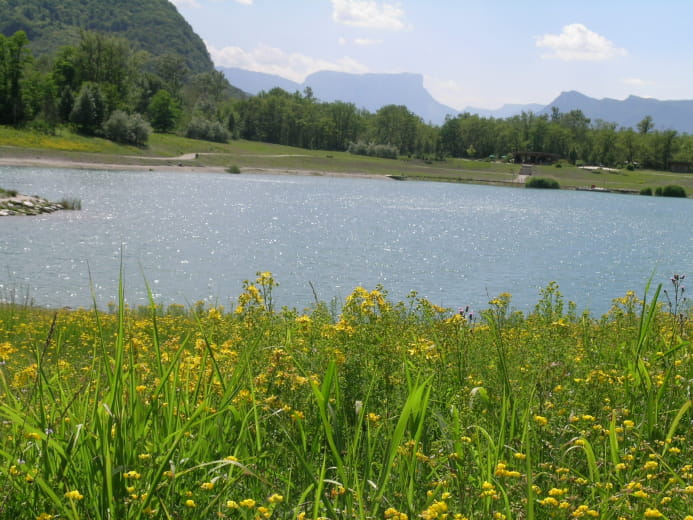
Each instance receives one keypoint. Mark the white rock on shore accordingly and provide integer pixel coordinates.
(26, 205)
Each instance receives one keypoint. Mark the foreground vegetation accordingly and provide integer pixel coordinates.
(373, 410)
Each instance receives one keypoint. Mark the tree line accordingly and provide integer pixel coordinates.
(102, 86)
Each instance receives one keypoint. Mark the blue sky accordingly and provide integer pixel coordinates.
(480, 53)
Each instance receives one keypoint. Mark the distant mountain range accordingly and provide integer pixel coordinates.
(372, 91)
(369, 91)
(666, 115)
(505, 111)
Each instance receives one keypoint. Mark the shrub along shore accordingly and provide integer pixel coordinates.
(370, 409)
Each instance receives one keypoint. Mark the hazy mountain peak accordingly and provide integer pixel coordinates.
(666, 115)
(371, 91)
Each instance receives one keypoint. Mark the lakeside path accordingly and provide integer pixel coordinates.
(173, 164)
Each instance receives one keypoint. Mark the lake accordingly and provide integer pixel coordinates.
(197, 236)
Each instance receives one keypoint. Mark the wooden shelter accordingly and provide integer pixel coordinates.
(680, 166)
(535, 158)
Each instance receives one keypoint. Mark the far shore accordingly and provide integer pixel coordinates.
(245, 158)
(167, 164)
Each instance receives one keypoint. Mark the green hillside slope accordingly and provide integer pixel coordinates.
(151, 25)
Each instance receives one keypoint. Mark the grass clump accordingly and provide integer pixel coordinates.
(233, 169)
(71, 203)
(376, 409)
(8, 193)
(542, 183)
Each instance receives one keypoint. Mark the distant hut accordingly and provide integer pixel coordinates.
(680, 166)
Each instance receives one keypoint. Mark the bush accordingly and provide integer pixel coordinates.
(672, 190)
(384, 151)
(233, 169)
(542, 183)
(206, 130)
(646, 191)
(163, 111)
(127, 129)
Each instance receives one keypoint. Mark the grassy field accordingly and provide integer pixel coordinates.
(165, 149)
(371, 410)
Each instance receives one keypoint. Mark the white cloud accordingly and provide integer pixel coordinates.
(451, 93)
(577, 42)
(367, 42)
(195, 3)
(635, 82)
(465, 94)
(271, 60)
(188, 3)
(369, 14)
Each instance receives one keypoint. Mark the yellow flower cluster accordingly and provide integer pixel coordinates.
(437, 510)
(502, 471)
(392, 514)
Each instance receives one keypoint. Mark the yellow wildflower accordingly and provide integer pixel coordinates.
(549, 501)
(541, 420)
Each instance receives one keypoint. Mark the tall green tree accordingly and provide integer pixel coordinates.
(604, 144)
(347, 124)
(89, 110)
(397, 126)
(163, 111)
(107, 61)
(14, 56)
(645, 125)
(627, 143)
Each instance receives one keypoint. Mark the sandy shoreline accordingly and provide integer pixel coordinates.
(55, 162)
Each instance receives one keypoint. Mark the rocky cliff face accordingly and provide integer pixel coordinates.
(369, 91)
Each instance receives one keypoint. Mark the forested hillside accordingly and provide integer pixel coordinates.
(103, 86)
(151, 25)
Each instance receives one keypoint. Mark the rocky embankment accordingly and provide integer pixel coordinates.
(26, 205)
